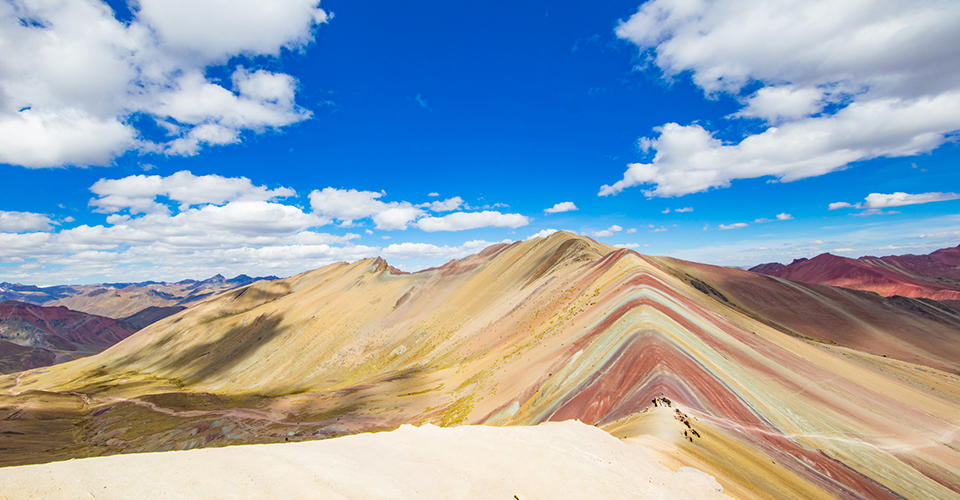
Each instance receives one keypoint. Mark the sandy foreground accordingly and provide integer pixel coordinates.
(552, 460)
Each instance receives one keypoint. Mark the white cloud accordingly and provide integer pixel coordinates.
(72, 76)
(874, 203)
(264, 100)
(541, 234)
(738, 225)
(138, 193)
(471, 220)
(775, 104)
(947, 234)
(447, 205)
(682, 210)
(19, 222)
(631, 246)
(433, 195)
(350, 205)
(396, 216)
(209, 239)
(38, 139)
(421, 251)
(610, 231)
(898, 199)
(566, 206)
(882, 66)
(665, 211)
(211, 31)
(780, 216)
(631, 230)
(839, 205)
(347, 205)
(726, 44)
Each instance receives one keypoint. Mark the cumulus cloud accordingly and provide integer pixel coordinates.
(350, 205)
(610, 231)
(247, 236)
(775, 104)
(396, 216)
(898, 199)
(737, 225)
(346, 205)
(76, 82)
(566, 206)
(447, 205)
(471, 220)
(837, 84)
(187, 226)
(407, 251)
(138, 193)
(19, 222)
(685, 209)
(541, 234)
(874, 203)
(780, 216)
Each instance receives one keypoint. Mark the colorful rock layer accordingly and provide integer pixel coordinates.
(783, 390)
(934, 276)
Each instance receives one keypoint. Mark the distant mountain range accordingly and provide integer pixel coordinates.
(933, 276)
(42, 326)
(135, 302)
(778, 389)
(32, 336)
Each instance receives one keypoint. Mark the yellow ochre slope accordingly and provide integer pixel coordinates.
(783, 404)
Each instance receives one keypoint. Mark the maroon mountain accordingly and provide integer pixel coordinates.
(934, 276)
(33, 336)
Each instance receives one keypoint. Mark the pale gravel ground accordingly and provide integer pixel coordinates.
(556, 460)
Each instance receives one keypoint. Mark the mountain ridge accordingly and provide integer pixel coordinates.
(48, 335)
(933, 276)
(547, 329)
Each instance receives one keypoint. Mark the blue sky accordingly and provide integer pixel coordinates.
(178, 139)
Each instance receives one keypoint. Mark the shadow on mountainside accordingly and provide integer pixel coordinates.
(203, 359)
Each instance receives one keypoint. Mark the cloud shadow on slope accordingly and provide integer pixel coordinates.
(205, 359)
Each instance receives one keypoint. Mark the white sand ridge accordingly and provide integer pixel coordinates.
(553, 460)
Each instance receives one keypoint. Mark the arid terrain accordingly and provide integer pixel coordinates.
(934, 276)
(138, 303)
(32, 336)
(776, 389)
